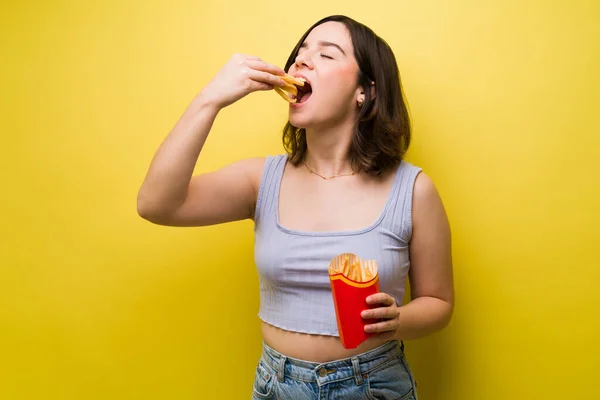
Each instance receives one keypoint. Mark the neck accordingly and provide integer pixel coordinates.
(328, 149)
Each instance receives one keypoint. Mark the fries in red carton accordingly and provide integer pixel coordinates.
(352, 281)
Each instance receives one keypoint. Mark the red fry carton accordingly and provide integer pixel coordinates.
(352, 281)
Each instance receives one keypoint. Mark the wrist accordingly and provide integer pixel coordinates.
(203, 103)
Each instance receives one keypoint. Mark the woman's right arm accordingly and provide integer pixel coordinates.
(169, 194)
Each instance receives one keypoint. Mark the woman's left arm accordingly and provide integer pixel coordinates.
(430, 274)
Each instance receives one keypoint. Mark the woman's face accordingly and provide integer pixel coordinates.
(326, 60)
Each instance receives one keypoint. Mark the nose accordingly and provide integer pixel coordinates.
(304, 59)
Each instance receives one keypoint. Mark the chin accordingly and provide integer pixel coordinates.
(300, 121)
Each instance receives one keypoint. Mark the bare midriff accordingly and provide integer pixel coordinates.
(309, 347)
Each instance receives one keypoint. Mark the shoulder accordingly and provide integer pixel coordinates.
(418, 181)
(250, 168)
(255, 168)
(424, 188)
(425, 198)
(425, 192)
(252, 165)
(428, 208)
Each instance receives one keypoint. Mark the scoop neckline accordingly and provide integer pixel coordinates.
(351, 232)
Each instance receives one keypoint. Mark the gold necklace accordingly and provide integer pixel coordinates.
(327, 177)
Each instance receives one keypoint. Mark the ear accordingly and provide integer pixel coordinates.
(360, 98)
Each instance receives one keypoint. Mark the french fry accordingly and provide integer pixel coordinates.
(293, 80)
(290, 90)
(353, 268)
(293, 89)
(284, 95)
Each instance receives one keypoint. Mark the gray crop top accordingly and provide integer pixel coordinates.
(295, 292)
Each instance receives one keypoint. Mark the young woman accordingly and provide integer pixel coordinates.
(342, 186)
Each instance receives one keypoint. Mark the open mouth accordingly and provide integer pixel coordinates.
(304, 93)
(296, 90)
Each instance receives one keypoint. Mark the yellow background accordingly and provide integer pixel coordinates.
(96, 303)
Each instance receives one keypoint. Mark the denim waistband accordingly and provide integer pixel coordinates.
(322, 373)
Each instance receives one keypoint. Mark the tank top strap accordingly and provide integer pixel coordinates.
(266, 201)
(398, 218)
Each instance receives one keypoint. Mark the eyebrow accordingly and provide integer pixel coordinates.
(325, 44)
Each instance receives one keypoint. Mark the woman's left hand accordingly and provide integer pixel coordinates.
(388, 315)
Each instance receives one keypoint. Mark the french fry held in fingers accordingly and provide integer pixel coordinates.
(290, 90)
(352, 281)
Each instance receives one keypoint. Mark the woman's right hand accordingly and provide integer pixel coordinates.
(241, 76)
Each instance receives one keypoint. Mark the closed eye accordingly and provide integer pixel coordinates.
(326, 56)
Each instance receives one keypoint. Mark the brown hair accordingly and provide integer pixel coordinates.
(382, 133)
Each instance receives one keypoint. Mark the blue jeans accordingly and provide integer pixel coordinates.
(381, 373)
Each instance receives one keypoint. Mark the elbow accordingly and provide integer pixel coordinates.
(441, 313)
(145, 211)
(157, 209)
(149, 210)
(445, 316)
(448, 317)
